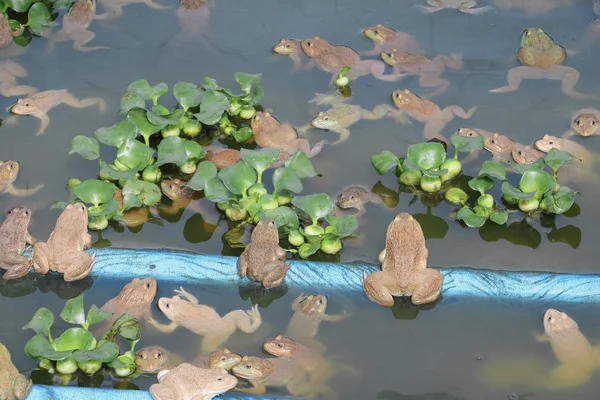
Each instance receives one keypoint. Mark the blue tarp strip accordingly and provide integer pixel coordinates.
(189, 269)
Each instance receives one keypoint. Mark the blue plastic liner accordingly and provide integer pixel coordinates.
(190, 268)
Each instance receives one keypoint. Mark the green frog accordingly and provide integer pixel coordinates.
(13, 385)
(188, 382)
(14, 238)
(386, 38)
(8, 174)
(291, 48)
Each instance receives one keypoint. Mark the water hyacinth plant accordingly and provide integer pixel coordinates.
(27, 18)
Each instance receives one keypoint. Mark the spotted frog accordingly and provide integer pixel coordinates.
(356, 196)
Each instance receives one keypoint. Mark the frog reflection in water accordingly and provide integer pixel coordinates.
(39, 104)
(387, 38)
(13, 385)
(8, 174)
(585, 122)
(404, 269)
(182, 196)
(188, 382)
(14, 237)
(466, 6)
(532, 6)
(114, 8)
(184, 310)
(542, 58)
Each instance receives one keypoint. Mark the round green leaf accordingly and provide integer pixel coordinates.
(116, 174)
(426, 155)
(308, 249)
(560, 201)
(154, 117)
(96, 315)
(194, 151)
(20, 6)
(538, 165)
(94, 191)
(86, 147)
(384, 161)
(260, 159)
(481, 184)
(133, 153)
(466, 215)
(538, 181)
(106, 352)
(39, 347)
(127, 326)
(500, 217)
(131, 201)
(41, 321)
(129, 101)
(148, 193)
(282, 217)
(212, 107)
(285, 178)
(172, 150)
(73, 312)
(242, 134)
(301, 165)
(492, 169)
(188, 95)
(465, 144)
(159, 90)
(144, 127)
(247, 81)
(74, 339)
(316, 206)
(205, 171)
(38, 17)
(346, 226)
(115, 135)
(512, 191)
(238, 178)
(557, 158)
(215, 191)
(142, 88)
(103, 209)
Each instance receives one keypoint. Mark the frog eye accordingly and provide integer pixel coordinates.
(158, 355)
(551, 142)
(82, 207)
(26, 212)
(280, 345)
(593, 123)
(223, 358)
(26, 104)
(578, 122)
(168, 305)
(147, 286)
(325, 118)
(248, 366)
(219, 378)
(9, 212)
(376, 31)
(493, 141)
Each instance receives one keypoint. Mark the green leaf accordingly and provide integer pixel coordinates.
(465, 144)
(86, 147)
(432, 173)
(59, 205)
(20, 6)
(96, 315)
(194, 151)
(205, 171)
(238, 178)
(384, 161)
(133, 153)
(39, 347)
(308, 249)
(115, 135)
(155, 118)
(38, 17)
(556, 158)
(538, 165)
(106, 352)
(316, 206)
(282, 216)
(159, 90)
(260, 159)
(285, 178)
(560, 201)
(346, 226)
(215, 191)
(144, 127)
(466, 215)
(210, 84)
(493, 169)
(247, 81)
(103, 209)
(94, 191)
(74, 339)
(24, 39)
(142, 88)
(242, 134)
(512, 191)
(171, 150)
(301, 165)
(73, 312)
(148, 193)
(129, 101)
(188, 95)
(41, 322)
(500, 217)
(128, 327)
(426, 155)
(538, 181)
(131, 201)
(116, 174)
(481, 184)
(212, 107)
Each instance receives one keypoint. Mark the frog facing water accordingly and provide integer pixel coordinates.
(356, 196)
(580, 169)
(9, 171)
(291, 48)
(14, 237)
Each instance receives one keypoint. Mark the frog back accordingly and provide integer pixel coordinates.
(542, 57)
(573, 348)
(345, 115)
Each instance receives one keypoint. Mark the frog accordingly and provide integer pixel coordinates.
(63, 252)
(332, 58)
(264, 372)
(500, 146)
(291, 48)
(9, 72)
(184, 310)
(404, 269)
(9, 170)
(193, 17)
(223, 157)
(268, 132)
(309, 312)
(6, 33)
(13, 385)
(14, 238)
(584, 122)
(188, 382)
(150, 360)
(75, 27)
(466, 6)
(114, 8)
(218, 359)
(39, 104)
(525, 154)
(426, 111)
(541, 58)
(429, 70)
(263, 260)
(583, 158)
(386, 38)
(356, 196)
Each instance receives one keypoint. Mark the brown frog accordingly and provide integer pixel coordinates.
(8, 174)
(6, 33)
(525, 154)
(114, 8)
(500, 146)
(13, 385)
(187, 382)
(585, 122)
(386, 38)
(193, 16)
(404, 269)
(332, 58)
(584, 158)
(63, 252)
(309, 312)
(356, 196)
(263, 260)
(223, 157)
(9, 72)
(429, 71)
(542, 58)
(427, 112)
(218, 359)
(39, 104)
(150, 360)
(14, 238)
(466, 6)
(75, 27)
(184, 310)
(291, 48)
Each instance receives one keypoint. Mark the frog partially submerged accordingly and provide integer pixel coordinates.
(114, 8)
(466, 6)
(63, 253)
(291, 48)
(184, 310)
(187, 382)
(6, 33)
(357, 196)
(8, 174)
(404, 269)
(263, 260)
(525, 154)
(14, 238)
(9, 72)
(309, 312)
(580, 169)
(222, 157)
(151, 360)
(218, 359)
(542, 58)
(585, 122)
(429, 71)
(39, 104)
(386, 38)
(13, 385)
(135, 298)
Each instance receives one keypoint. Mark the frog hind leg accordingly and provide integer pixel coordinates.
(79, 264)
(23, 192)
(475, 11)
(427, 286)
(17, 266)
(73, 101)
(569, 78)
(8, 89)
(83, 37)
(153, 5)
(377, 68)
(213, 341)
(376, 289)
(567, 376)
(41, 258)
(242, 264)
(60, 36)
(162, 392)
(434, 80)
(428, 10)
(246, 321)
(516, 75)
(277, 271)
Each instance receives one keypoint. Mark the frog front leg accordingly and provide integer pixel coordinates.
(376, 289)
(164, 328)
(344, 135)
(41, 258)
(569, 78)
(376, 68)
(181, 292)
(516, 75)
(246, 321)
(16, 266)
(76, 266)
(8, 89)
(297, 301)
(22, 192)
(335, 317)
(73, 101)
(44, 119)
(83, 37)
(427, 286)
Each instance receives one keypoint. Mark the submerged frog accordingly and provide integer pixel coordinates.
(8, 174)
(585, 122)
(356, 196)
(151, 360)
(291, 48)
(9, 72)
(404, 269)
(39, 104)
(204, 320)
(114, 8)
(525, 154)
(466, 6)
(193, 17)
(386, 38)
(429, 71)
(13, 385)
(428, 112)
(263, 260)
(187, 382)
(75, 27)
(309, 312)
(14, 238)
(542, 58)
(332, 58)
(183, 197)
(63, 252)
